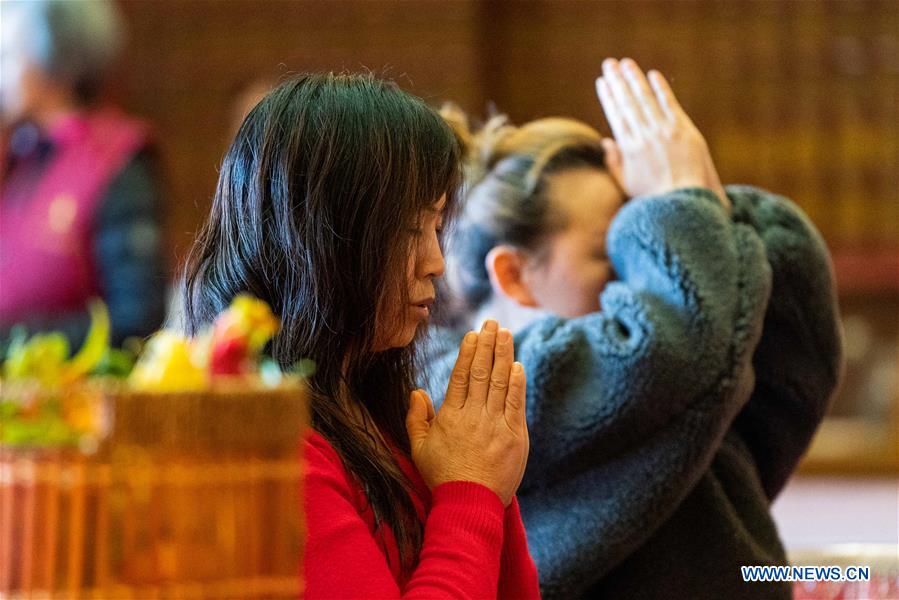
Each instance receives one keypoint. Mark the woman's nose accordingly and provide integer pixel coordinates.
(432, 263)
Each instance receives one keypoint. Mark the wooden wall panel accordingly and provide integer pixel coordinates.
(187, 59)
(799, 97)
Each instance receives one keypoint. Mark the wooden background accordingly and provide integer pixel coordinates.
(799, 97)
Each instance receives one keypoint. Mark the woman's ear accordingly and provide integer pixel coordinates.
(505, 267)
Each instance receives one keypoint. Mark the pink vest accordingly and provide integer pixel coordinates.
(46, 262)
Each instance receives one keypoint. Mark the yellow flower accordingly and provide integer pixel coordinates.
(167, 365)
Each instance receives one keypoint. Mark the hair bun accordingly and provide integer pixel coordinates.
(483, 147)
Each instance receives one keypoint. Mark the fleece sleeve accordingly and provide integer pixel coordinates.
(799, 357)
(612, 498)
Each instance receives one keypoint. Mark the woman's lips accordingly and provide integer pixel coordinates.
(422, 308)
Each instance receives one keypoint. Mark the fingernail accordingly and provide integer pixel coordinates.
(470, 338)
(490, 325)
(517, 368)
(503, 336)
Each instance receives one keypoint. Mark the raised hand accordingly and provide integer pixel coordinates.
(480, 433)
(658, 147)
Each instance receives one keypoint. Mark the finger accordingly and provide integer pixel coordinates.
(482, 365)
(457, 388)
(646, 99)
(503, 356)
(665, 96)
(614, 162)
(623, 96)
(432, 414)
(417, 424)
(613, 113)
(516, 400)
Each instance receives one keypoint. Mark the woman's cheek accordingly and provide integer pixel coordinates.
(579, 290)
(595, 281)
(606, 274)
(591, 299)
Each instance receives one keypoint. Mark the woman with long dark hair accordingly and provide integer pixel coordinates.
(330, 206)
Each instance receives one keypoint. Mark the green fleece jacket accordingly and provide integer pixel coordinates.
(662, 426)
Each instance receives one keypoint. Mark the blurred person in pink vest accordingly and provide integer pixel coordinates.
(79, 194)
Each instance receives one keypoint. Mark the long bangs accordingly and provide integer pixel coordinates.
(416, 160)
(429, 151)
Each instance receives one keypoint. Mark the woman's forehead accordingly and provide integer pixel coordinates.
(587, 197)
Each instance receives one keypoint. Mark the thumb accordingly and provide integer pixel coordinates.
(418, 422)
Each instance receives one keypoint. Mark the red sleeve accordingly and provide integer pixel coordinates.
(460, 556)
(518, 575)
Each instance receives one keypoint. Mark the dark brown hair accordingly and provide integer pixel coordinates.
(317, 199)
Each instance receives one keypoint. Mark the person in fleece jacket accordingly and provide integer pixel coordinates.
(667, 407)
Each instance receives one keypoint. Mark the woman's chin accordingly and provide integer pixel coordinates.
(404, 338)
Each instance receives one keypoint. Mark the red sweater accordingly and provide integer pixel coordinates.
(473, 547)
